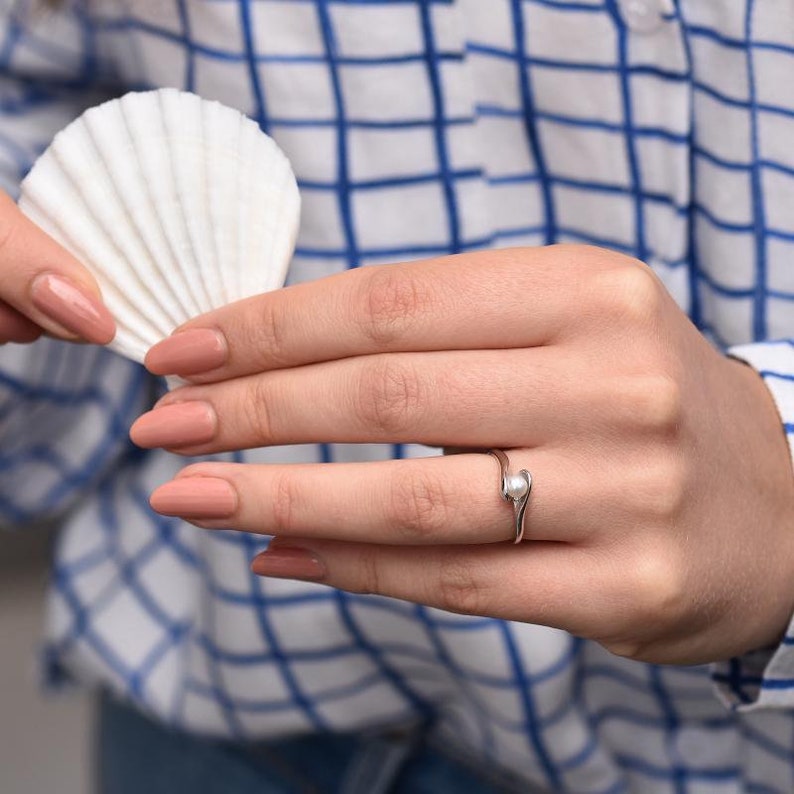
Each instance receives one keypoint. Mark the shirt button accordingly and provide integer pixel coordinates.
(641, 16)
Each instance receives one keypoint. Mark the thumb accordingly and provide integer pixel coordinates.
(46, 284)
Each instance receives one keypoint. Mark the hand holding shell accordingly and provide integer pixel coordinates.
(176, 204)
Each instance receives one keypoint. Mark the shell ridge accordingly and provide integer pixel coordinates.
(211, 121)
(169, 273)
(277, 242)
(273, 222)
(176, 244)
(205, 300)
(282, 244)
(171, 294)
(136, 275)
(234, 231)
(222, 200)
(243, 218)
(188, 297)
(257, 219)
(207, 234)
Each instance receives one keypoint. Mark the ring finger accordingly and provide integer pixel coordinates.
(442, 500)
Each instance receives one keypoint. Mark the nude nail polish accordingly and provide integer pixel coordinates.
(188, 353)
(195, 497)
(287, 562)
(67, 305)
(176, 425)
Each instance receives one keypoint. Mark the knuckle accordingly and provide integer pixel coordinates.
(656, 404)
(632, 293)
(418, 509)
(657, 588)
(369, 574)
(283, 501)
(389, 395)
(392, 299)
(256, 410)
(659, 491)
(265, 336)
(458, 589)
(667, 496)
(270, 331)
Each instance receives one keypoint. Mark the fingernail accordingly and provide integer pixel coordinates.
(72, 309)
(187, 353)
(195, 497)
(289, 562)
(176, 425)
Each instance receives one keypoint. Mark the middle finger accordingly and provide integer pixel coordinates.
(506, 398)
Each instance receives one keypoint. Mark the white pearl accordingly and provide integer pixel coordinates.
(516, 486)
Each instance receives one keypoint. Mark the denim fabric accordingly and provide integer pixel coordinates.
(136, 754)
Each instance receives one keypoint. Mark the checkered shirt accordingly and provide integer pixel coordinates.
(659, 128)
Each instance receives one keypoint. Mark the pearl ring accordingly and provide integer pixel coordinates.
(515, 488)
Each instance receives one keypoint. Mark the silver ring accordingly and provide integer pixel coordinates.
(515, 488)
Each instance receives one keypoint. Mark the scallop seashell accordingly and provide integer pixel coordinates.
(176, 204)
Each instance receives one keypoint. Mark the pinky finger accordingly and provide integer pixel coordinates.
(548, 583)
(15, 327)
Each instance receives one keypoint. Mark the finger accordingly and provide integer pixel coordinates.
(414, 502)
(550, 584)
(507, 398)
(46, 284)
(495, 299)
(15, 327)
(430, 501)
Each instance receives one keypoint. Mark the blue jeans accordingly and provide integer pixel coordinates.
(138, 755)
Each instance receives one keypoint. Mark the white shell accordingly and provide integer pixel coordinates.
(176, 204)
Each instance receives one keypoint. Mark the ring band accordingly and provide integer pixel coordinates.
(515, 488)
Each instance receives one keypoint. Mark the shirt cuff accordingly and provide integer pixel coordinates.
(764, 678)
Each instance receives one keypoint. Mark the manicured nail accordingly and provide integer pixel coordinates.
(195, 497)
(176, 425)
(289, 562)
(72, 309)
(188, 353)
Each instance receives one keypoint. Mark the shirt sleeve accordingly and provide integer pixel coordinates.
(64, 409)
(765, 678)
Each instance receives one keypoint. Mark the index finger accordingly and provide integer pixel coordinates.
(489, 299)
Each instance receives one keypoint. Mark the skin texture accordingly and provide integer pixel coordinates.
(661, 522)
(43, 288)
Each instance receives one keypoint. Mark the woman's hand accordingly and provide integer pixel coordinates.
(43, 289)
(661, 519)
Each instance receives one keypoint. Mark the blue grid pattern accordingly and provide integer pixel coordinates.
(416, 127)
